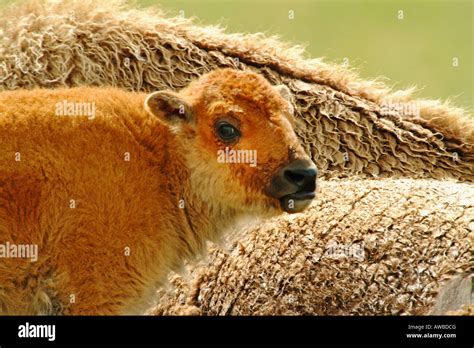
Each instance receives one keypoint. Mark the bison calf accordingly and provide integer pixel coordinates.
(103, 191)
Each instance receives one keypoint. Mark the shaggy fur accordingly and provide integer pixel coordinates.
(130, 206)
(465, 310)
(416, 235)
(346, 124)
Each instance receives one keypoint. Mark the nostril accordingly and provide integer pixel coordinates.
(304, 179)
(294, 177)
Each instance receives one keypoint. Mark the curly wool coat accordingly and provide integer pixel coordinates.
(349, 126)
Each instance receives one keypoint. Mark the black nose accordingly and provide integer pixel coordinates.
(303, 178)
(294, 185)
(298, 177)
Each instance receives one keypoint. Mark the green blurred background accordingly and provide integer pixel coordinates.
(419, 49)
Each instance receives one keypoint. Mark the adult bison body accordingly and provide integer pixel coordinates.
(349, 126)
(116, 188)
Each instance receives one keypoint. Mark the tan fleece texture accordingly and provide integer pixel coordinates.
(417, 235)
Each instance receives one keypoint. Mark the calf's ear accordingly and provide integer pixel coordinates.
(168, 107)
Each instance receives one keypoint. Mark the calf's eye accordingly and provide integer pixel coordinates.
(227, 132)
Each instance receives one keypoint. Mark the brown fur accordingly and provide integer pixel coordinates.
(342, 120)
(417, 240)
(127, 204)
(467, 310)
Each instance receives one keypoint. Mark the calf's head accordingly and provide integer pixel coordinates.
(240, 146)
